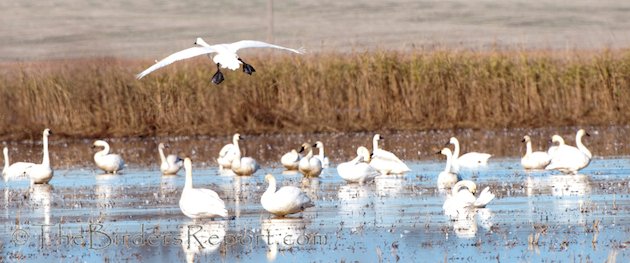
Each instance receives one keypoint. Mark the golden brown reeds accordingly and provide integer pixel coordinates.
(383, 90)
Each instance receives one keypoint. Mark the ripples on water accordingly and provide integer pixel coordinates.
(395, 217)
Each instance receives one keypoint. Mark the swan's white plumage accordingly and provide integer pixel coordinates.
(291, 160)
(569, 159)
(463, 197)
(244, 166)
(226, 54)
(284, 201)
(447, 178)
(534, 160)
(471, 159)
(15, 170)
(386, 162)
(228, 153)
(358, 170)
(108, 162)
(199, 202)
(555, 139)
(170, 164)
(309, 165)
(41, 173)
(322, 158)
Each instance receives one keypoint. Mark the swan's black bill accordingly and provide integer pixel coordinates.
(247, 68)
(218, 78)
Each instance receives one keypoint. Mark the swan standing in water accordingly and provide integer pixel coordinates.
(569, 159)
(386, 162)
(291, 160)
(228, 153)
(323, 159)
(14, 170)
(41, 173)
(108, 162)
(447, 178)
(555, 139)
(463, 197)
(199, 202)
(242, 165)
(284, 201)
(470, 159)
(171, 163)
(358, 170)
(226, 56)
(534, 160)
(309, 165)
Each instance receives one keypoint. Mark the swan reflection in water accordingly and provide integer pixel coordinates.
(40, 199)
(560, 185)
(281, 234)
(466, 221)
(200, 238)
(389, 185)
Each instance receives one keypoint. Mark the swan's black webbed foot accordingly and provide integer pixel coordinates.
(217, 78)
(247, 68)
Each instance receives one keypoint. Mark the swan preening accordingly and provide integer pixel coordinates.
(569, 159)
(284, 201)
(242, 165)
(170, 164)
(386, 162)
(534, 160)
(309, 165)
(108, 162)
(226, 56)
(198, 202)
(463, 197)
(358, 170)
(228, 153)
(447, 178)
(471, 159)
(291, 160)
(37, 173)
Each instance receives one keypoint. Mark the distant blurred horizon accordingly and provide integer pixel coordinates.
(34, 30)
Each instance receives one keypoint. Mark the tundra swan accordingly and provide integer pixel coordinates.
(291, 160)
(569, 159)
(226, 56)
(309, 165)
(284, 201)
(555, 139)
(447, 178)
(228, 153)
(470, 159)
(199, 202)
(358, 170)
(171, 163)
(14, 170)
(242, 165)
(463, 197)
(386, 162)
(41, 173)
(108, 162)
(534, 160)
(323, 159)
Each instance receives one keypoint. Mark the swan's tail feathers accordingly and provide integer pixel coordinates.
(484, 198)
(224, 213)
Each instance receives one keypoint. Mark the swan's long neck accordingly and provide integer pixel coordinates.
(468, 184)
(309, 154)
(103, 152)
(321, 152)
(272, 186)
(374, 144)
(580, 145)
(162, 157)
(46, 159)
(448, 162)
(5, 151)
(529, 147)
(456, 149)
(188, 183)
(237, 155)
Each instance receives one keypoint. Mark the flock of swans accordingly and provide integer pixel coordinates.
(365, 167)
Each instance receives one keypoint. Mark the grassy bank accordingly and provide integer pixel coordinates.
(317, 92)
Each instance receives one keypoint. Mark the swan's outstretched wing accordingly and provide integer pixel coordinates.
(256, 44)
(184, 54)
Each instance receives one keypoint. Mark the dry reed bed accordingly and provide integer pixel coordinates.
(317, 92)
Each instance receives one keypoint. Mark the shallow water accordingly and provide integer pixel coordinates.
(135, 216)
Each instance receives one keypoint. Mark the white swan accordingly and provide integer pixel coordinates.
(291, 160)
(463, 197)
(242, 165)
(569, 159)
(555, 139)
(15, 170)
(226, 56)
(108, 162)
(534, 160)
(470, 159)
(41, 173)
(386, 162)
(171, 163)
(309, 165)
(358, 170)
(198, 202)
(446, 178)
(228, 153)
(322, 158)
(284, 201)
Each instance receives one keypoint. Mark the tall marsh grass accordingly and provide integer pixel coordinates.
(317, 92)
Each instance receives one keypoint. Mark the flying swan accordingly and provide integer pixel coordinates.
(226, 56)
